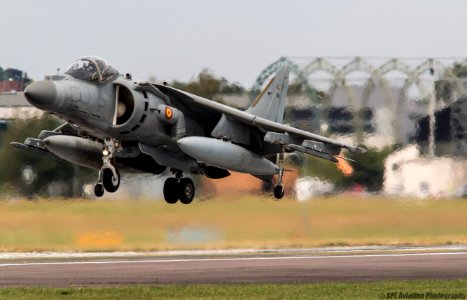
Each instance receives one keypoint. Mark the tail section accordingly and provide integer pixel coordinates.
(270, 103)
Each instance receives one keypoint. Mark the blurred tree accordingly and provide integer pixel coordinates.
(460, 70)
(368, 169)
(13, 74)
(207, 85)
(443, 89)
(321, 169)
(298, 87)
(27, 173)
(233, 88)
(445, 85)
(27, 81)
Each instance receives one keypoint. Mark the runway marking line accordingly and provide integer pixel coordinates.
(248, 251)
(227, 259)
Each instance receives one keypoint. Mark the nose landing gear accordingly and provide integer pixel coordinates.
(178, 188)
(109, 177)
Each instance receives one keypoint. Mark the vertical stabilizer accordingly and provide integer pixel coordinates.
(270, 103)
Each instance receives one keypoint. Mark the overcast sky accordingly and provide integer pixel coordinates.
(236, 39)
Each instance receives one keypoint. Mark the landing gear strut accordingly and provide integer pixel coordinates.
(109, 177)
(178, 188)
(279, 188)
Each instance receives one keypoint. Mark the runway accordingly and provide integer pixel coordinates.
(270, 267)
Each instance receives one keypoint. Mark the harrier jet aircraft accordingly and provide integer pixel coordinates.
(113, 124)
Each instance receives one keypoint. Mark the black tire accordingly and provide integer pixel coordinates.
(279, 192)
(186, 190)
(111, 184)
(171, 190)
(99, 190)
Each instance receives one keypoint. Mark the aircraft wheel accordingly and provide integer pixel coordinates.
(186, 190)
(170, 190)
(279, 192)
(99, 190)
(111, 184)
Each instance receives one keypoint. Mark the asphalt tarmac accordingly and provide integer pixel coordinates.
(271, 267)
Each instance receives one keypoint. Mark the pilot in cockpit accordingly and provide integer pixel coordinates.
(91, 69)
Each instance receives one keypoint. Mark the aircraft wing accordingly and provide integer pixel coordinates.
(197, 106)
(276, 133)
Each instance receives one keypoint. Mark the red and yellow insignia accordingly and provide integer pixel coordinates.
(168, 113)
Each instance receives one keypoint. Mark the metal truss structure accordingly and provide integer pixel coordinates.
(375, 73)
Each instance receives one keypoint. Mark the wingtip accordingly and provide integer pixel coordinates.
(357, 149)
(360, 150)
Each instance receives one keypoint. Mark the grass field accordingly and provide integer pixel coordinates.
(86, 225)
(358, 290)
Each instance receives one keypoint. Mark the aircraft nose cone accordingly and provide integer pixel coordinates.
(41, 94)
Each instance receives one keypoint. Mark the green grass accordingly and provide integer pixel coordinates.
(247, 221)
(355, 290)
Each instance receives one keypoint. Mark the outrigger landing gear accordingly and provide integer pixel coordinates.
(178, 188)
(279, 188)
(109, 177)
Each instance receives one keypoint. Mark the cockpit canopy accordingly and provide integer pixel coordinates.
(91, 69)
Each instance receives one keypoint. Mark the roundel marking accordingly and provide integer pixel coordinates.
(168, 113)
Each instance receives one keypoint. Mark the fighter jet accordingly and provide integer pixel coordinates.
(113, 123)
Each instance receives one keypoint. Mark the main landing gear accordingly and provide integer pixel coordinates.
(279, 188)
(109, 177)
(178, 188)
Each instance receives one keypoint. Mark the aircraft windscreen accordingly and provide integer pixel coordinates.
(85, 70)
(106, 70)
(91, 70)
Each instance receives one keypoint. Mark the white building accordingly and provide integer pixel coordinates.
(408, 174)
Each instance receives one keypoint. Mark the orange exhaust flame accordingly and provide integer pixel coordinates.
(344, 166)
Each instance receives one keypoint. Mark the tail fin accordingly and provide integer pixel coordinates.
(270, 103)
